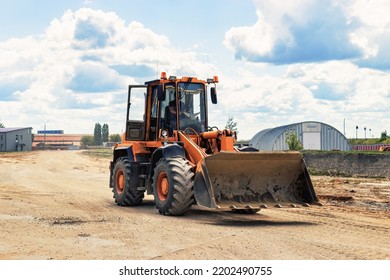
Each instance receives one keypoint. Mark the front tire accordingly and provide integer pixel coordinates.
(124, 183)
(173, 183)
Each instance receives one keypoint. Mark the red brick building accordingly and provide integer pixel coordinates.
(57, 141)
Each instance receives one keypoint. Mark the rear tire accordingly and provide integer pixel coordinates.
(173, 183)
(124, 182)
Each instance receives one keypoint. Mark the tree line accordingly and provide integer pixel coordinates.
(101, 134)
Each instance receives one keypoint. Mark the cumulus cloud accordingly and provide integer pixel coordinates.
(328, 92)
(12, 85)
(373, 34)
(76, 72)
(94, 77)
(314, 31)
(335, 65)
(83, 61)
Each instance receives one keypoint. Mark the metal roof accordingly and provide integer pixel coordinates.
(256, 139)
(9, 129)
(275, 138)
(267, 137)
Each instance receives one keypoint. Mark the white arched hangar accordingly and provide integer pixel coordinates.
(312, 135)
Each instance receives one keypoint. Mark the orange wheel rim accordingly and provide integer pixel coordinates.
(120, 181)
(162, 186)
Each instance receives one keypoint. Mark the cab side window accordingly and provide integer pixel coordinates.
(153, 115)
(168, 110)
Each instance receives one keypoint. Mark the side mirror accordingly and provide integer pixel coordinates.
(213, 93)
(160, 93)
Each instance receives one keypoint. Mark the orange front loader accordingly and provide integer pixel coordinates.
(174, 154)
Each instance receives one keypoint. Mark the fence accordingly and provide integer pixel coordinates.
(373, 147)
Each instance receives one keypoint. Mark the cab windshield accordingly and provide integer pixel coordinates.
(191, 106)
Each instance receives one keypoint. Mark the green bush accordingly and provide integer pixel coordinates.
(293, 143)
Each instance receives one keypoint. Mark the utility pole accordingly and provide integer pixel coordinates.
(357, 131)
(44, 137)
(365, 135)
(344, 127)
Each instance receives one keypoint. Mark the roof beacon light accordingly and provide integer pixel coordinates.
(163, 75)
(213, 80)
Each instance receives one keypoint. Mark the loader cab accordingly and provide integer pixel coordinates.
(169, 104)
(184, 107)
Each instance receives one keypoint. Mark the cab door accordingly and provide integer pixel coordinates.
(135, 119)
(154, 113)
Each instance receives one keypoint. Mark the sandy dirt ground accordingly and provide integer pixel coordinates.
(57, 205)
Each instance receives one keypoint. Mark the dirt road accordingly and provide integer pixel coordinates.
(57, 205)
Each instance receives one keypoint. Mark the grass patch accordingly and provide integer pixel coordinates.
(316, 152)
(334, 173)
(369, 141)
(98, 153)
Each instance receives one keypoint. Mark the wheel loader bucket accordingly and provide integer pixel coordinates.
(253, 180)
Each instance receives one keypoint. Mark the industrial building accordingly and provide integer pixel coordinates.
(56, 141)
(312, 135)
(15, 139)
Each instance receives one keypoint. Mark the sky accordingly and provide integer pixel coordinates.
(66, 65)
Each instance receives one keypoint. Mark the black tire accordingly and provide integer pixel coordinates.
(124, 182)
(173, 183)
